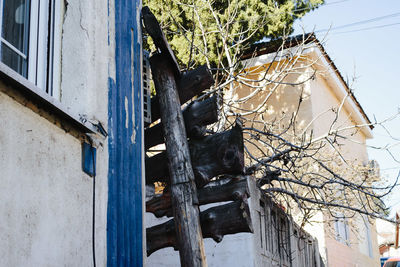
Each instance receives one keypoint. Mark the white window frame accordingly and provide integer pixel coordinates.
(365, 239)
(342, 230)
(43, 57)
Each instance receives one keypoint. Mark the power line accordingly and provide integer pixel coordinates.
(309, 8)
(335, 2)
(292, 12)
(360, 22)
(369, 28)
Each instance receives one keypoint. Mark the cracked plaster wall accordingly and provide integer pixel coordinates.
(46, 199)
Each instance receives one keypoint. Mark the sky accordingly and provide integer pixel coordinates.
(368, 50)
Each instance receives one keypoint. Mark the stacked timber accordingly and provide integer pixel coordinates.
(192, 160)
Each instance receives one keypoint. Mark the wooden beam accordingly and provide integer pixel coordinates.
(194, 82)
(190, 84)
(153, 28)
(216, 191)
(183, 188)
(220, 153)
(196, 115)
(217, 154)
(216, 222)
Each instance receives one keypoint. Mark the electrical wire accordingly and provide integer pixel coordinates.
(359, 22)
(369, 28)
(93, 204)
(309, 8)
(292, 12)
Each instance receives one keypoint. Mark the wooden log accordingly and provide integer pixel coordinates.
(160, 205)
(216, 222)
(153, 28)
(183, 188)
(161, 236)
(194, 82)
(217, 154)
(196, 115)
(190, 84)
(216, 191)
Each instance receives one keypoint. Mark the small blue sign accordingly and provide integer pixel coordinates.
(88, 159)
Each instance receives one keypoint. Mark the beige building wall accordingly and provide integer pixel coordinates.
(323, 100)
(353, 149)
(319, 96)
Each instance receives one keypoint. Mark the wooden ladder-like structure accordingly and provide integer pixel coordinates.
(187, 167)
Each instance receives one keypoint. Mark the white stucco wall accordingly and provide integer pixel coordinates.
(46, 199)
(87, 58)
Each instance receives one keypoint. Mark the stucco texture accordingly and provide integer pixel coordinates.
(45, 198)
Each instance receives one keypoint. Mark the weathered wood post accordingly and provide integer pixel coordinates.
(183, 188)
(166, 72)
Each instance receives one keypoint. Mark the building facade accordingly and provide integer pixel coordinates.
(327, 105)
(71, 133)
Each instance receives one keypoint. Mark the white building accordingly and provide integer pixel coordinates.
(70, 73)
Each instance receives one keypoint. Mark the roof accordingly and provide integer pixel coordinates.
(273, 46)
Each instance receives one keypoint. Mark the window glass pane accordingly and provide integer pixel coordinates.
(13, 60)
(16, 23)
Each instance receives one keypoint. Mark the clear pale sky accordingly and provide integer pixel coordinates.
(370, 52)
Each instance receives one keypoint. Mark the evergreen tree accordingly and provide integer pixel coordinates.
(217, 31)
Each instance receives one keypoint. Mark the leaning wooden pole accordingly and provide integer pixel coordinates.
(183, 188)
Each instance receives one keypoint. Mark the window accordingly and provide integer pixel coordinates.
(274, 232)
(28, 33)
(14, 37)
(368, 238)
(365, 241)
(342, 231)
